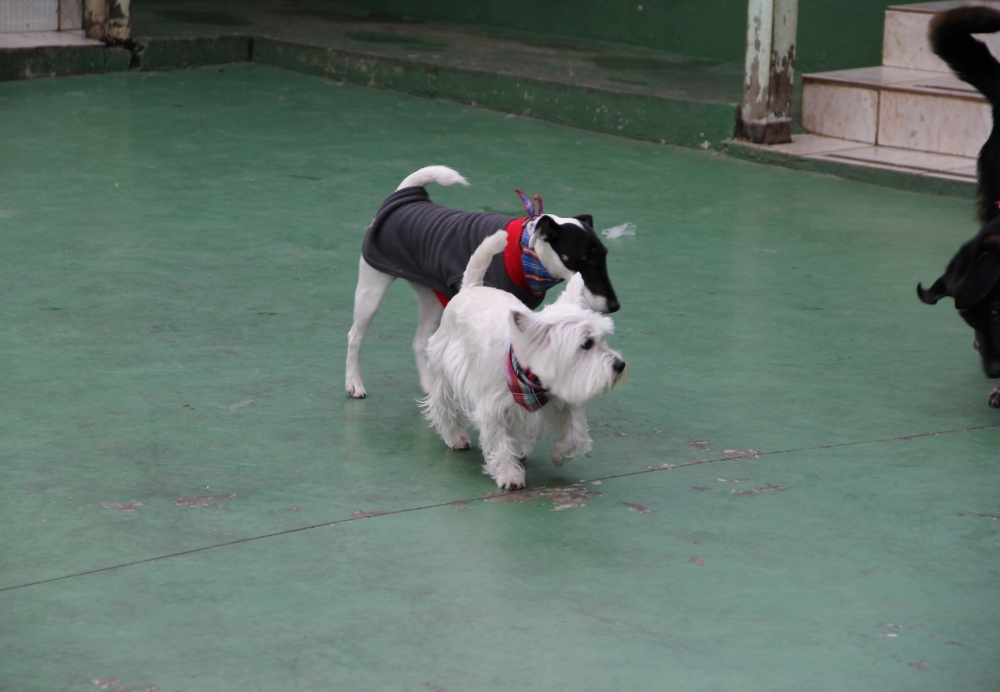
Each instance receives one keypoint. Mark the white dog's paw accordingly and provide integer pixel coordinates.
(356, 389)
(512, 484)
(564, 450)
(994, 398)
(460, 442)
(510, 477)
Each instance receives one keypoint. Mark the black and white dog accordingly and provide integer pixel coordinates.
(973, 275)
(430, 246)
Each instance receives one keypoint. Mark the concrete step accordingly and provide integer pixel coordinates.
(905, 108)
(904, 169)
(44, 39)
(904, 41)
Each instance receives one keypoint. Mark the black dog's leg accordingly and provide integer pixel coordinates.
(994, 398)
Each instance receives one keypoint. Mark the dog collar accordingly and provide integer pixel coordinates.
(522, 263)
(524, 385)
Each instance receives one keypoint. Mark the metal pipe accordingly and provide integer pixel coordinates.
(765, 116)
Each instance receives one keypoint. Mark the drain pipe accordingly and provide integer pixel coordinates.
(107, 20)
(765, 116)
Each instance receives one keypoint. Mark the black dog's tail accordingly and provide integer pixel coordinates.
(950, 34)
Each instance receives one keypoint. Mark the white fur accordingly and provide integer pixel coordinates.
(467, 383)
(373, 285)
(442, 175)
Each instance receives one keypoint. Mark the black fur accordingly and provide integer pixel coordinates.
(950, 34)
(581, 251)
(973, 275)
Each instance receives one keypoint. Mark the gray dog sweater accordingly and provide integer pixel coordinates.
(414, 239)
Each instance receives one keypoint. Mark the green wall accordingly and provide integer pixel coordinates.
(833, 34)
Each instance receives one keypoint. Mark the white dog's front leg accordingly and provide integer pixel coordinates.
(501, 451)
(429, 310)
(574, 438)
(372, 285)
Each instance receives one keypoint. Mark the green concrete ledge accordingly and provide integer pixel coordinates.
(178, 53)
(638, 116)
(61, 61)
(900, 180)
(672, 121)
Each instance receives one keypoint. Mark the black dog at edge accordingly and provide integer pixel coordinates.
(973, 275)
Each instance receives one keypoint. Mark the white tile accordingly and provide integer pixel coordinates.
(862, 164)
(905, 44)
(950, 175)
(934, 7)
(942, 83)
(871, 76)
(36, 39)
(70, 15)
(965, 170)
(943, 175)
(907, 158)
(933, 123)
(840, 111)
(815, 144)
(29, 15)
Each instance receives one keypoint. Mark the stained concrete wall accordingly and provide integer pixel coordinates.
(833, 34)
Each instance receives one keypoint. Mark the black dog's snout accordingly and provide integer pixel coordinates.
(618, 366)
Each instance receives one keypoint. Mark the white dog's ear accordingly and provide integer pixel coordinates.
(526, 324)
(574, 294)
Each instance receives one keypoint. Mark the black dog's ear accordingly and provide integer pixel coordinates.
(978, 281)
(586, 218)
(546, 229)
(933, 294)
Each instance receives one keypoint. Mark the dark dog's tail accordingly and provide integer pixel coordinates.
(951, 39)
(950, 34)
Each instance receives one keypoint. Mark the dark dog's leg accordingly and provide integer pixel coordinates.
(994, 398)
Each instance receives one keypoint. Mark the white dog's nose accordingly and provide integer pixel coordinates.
(619, 365)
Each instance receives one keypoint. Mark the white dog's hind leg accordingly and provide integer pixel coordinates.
(574, 438)
(441, 408)
(429, 310)
(372, 285)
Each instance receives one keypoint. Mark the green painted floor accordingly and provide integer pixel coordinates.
(797, 488)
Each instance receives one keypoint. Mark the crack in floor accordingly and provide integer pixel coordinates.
(492, 497)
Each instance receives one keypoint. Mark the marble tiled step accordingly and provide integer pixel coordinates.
(922, 110)
(904, 41)
(41, 39)
(839, 151)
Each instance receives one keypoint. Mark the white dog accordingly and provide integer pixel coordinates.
(512, 373)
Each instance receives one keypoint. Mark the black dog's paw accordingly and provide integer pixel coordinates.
(994, 398)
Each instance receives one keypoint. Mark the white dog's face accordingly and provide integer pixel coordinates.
(564, 345)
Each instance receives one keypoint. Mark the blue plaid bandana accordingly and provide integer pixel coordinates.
(524, 385)
(538, 278)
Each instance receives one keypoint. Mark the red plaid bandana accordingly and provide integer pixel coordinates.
(524, 385)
